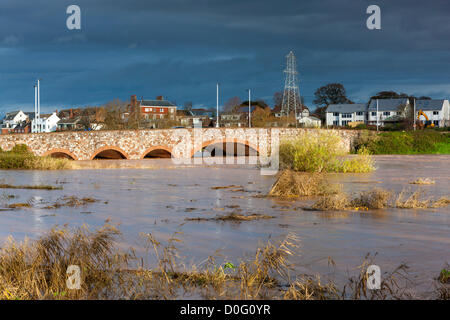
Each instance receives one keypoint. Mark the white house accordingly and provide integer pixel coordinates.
(437, 111)
(389, 111)
(309, 122)
(45, 123)
(342, 114)
(14, 118)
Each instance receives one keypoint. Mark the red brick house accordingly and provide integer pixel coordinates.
(155, 109)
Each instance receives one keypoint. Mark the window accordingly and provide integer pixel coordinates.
(386, 113)
(436, 123)
(359, 113)
(147, 109)
(345, 122)
(374, 114)
(347, 115)
(435, 113)
(161, 110)
(336, 114)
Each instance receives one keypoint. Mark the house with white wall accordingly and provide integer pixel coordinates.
(12, 119)
(45, 123)
(343, 114)
(437, 111)
(387, 111)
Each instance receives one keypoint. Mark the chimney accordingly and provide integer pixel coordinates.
(71, 113)
(133, 100)
(159, 98)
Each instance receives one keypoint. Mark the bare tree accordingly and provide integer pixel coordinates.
(232, 103)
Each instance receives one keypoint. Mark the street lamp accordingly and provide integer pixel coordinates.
(249, 109)
(217, 105)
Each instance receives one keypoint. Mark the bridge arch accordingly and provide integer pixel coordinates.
(109, 152)
(60, 153)
(249, 147)
(157, 152)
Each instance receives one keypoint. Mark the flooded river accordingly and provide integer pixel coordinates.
(160, 199)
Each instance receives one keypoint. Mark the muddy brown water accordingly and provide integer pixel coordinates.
(158, 198)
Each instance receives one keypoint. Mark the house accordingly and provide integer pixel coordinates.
(12, 119)
(45, 123)
(233, 119)
(437, 111)
(23, 127)
(155, 109)
(343, 114)
(309, 122)
(389, 111)
(193, 117)
(69, 124)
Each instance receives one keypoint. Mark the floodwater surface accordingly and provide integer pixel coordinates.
(160, 200)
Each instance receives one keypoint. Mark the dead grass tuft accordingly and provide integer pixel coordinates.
(233, 217)
(332, 202)
(295, 184)
(423, 181)
(376, 198)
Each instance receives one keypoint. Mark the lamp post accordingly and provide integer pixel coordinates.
(217, 105)
(377, 114)
(249, 109)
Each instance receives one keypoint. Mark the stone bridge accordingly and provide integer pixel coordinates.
(140, 144)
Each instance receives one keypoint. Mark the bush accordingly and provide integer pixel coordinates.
(321, 151)
(21, 158)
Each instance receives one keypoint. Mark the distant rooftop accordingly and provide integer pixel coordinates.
(156, 103)
(429, 105)
(347, 107)
(387, 104)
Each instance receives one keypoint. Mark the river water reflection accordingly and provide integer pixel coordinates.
(158, 201)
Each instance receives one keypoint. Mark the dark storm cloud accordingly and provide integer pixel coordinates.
(180, 48)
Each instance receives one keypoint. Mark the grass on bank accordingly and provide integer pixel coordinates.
(19, 157)
(405, 142)
(322, 151)
(37, 270)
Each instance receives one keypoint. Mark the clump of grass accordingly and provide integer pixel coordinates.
(37, 270)
(30, 187)
(225, 187)
(71, 201)
(321, 151)
(444, 275)
(312, 288)
(413, 200)
(295, 184)
(233, 217)
(376, 198)
(19, 205)
(333, 202)
(424, 181)
(19, 157)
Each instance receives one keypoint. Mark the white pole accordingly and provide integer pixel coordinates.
(377, 114)
(217, 121)
(35, 110)
(249, 109)
(414, 116)
(39, 98)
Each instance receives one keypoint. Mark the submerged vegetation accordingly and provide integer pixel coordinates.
(30, 187)
(38, 270)
(321, 151)
(19, 157)
(378, 198)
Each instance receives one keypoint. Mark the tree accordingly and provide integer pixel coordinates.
(278, 99)
(333, 93)
(188, 106)
(232, 103)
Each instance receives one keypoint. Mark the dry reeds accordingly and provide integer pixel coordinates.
(423, 181)
(294, 184)
(332, 202)
(233, 217)
(31, 187)
(376, 198)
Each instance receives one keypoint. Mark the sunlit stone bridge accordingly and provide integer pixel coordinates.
(142, 144)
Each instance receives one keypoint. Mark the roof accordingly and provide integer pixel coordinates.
(429, 105)
(156, 103)
(11, 115)
(201, 112)
(347, 107)
(30, 115)
(387, 104)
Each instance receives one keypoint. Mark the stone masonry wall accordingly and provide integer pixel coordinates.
(135, 144)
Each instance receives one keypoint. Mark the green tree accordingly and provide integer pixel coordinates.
(332, 93)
